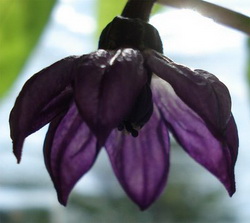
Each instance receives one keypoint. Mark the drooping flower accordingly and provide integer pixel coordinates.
(126, 97)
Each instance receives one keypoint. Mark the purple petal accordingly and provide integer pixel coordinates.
(106, 88)
(141, 163)
(43, 96)
(231, 138)
(69, 152)
(200, 90)
(218, 155)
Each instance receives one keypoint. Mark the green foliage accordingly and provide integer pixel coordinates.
(107, 10)
(156, 9)
(21, 24)
(25, 216)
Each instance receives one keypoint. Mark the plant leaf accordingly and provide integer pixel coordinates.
(107, 10)
(21, 24)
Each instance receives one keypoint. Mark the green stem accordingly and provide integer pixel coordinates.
(217, 13)
(138, 9)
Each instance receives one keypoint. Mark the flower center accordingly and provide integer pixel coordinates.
(128, 127)
(140, 113)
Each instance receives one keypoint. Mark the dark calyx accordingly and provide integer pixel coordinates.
(125, 32)
(131, 29)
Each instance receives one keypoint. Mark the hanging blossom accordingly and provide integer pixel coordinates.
(126, 97)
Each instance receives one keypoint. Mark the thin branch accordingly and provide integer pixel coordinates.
(219, 14)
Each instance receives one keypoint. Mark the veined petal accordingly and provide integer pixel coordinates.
(69, 151)
(218, 155)
(200, 90)
(141, 163)
(107, 86)
(42, 97)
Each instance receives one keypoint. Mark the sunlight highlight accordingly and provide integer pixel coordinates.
(188, 32)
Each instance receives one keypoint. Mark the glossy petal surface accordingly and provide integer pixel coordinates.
(69, 152)
(200, 90)
(42, 97)
(190, 130)
(141, 163)
(107, 86)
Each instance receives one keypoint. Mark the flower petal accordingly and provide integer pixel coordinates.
(231, 137)
(69, 152)
(200, 90)
(107, 86)
(43, 96)
(141, 163)
(218, 155)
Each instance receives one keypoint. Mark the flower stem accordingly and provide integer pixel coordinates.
(217, 13)
(138, 9)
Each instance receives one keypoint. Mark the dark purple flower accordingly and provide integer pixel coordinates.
(93, 100)
(126, 97)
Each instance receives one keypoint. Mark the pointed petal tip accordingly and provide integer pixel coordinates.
(18, 158)
(62, 196)
(17, 150)
(231, 193)
(231, 190)
(63, 201)
(229, 184)
(144, 207)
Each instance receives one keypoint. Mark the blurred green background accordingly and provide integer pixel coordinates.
(21, 25)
